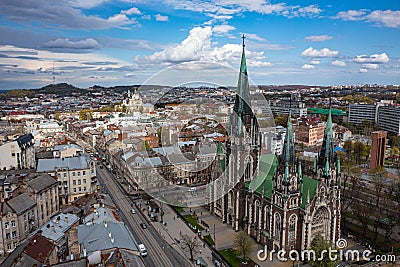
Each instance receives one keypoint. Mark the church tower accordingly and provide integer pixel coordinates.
(243, 147)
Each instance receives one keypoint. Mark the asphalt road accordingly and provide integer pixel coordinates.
(160, 254)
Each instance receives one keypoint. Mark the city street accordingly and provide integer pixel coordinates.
(159, 252)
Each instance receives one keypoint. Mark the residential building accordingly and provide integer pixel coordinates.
(44, 190)
(389, 119)
(17, 220)
(18, 154)
(360, 113)
(282, 107)
(76, 176)
(310, 133)
(378, 149)
(67, 151)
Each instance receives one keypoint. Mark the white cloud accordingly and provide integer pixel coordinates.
(386, 18)
(315, 62)
(86, 3)
(222, 29)
(370, 66)
(133, 10)
(66, 43)
(375, 58)
(351, 15)
(318, 38)
(198, 47)
(324, 52)
(308, 67)
(363, 70)
(339, 63)
(160, 17)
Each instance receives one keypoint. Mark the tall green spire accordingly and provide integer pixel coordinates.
(327, 153)
(242, 101)
(288, 152)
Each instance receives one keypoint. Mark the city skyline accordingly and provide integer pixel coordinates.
(126, 42)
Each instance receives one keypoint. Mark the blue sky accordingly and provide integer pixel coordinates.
(126, 42)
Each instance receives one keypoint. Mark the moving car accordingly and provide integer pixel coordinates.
(142, 249)
(143, 225)
(133, 211)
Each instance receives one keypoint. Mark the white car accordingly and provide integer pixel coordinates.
(142, 250)
(133, 211)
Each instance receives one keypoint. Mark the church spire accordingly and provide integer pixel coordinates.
(288, 153)
(327, 153)
(242, 101)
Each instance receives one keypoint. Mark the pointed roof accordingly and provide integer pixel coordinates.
(327, 153)
(288, 152)
(242, 101)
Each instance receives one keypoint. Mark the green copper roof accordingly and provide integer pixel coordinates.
(310, 185)
(334, 111)
(263, 181)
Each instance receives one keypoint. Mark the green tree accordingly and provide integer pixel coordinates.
(280, 121)
(360, 150)
(318, 245)
(243, 244)
(85, 114)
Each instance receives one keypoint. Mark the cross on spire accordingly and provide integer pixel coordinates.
(243, 37)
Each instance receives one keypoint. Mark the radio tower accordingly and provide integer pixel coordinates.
(54, 76)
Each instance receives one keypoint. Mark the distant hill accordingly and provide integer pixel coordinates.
(60, 89)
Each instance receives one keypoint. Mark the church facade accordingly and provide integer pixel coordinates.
(268, 196)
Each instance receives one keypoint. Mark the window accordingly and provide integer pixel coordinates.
(65, 174)
(73, 173)
(84, 181)
(74, 190)
(277, 232)
(84, 189)
(12, 154)
(80, 189)
(292, 228)
(6, 225)
(74, 182)
(8, 235)
(14, 234)
(79, 173)
(9, 246)
(13, 223)
(15, 245)
(79, 181)
(24, 217)
(83, 172)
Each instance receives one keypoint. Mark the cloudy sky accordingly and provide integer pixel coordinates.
(122, 42)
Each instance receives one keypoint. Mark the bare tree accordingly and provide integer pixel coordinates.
(243, 244)
(190, 244)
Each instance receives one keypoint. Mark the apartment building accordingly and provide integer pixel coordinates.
(389, 119)
(76, 176)
(359, 113)
(17, 220)
(310, 134)
(18, 154)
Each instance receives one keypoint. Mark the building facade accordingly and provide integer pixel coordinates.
(269, 197)
(378, 149)
(18, 154)
(359, 113)
(389, 119)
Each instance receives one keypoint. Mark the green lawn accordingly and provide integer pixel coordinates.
(192, 220)
(179, 209)
(231, 257)
(209, 240)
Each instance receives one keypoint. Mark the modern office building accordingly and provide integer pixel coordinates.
(359, 113)
(282, 107)
(378, 149)
(389, 119)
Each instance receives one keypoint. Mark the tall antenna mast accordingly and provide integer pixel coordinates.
(54, 76)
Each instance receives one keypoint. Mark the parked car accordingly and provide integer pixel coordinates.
(142, 249)
(143, 225)
(133, 211)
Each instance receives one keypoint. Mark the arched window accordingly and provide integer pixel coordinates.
(248, 170)
(277, 232)
(292, 227)
(266, 218)
(257, 212)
